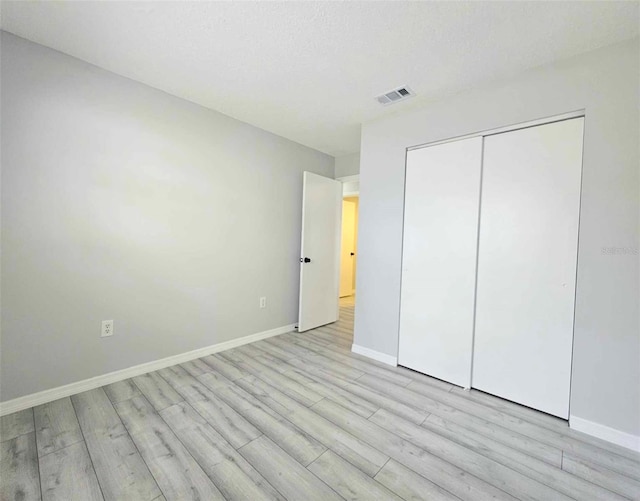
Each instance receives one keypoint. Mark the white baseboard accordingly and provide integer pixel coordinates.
(605, 433)
(42, 397)
(375, 355)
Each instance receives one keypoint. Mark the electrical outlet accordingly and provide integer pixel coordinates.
(107, 328)
(263, 302)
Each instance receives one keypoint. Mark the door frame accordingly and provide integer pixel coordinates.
(499, 130)
(350, 185)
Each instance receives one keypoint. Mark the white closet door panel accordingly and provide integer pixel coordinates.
(527, 265)
(439, 259)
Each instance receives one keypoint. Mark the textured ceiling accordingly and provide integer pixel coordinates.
(309, 71)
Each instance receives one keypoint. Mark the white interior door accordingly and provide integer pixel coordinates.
(347, 252)
(527, 265)
(439, 259)
(320, 251)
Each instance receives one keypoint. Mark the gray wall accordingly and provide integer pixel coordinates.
(122, 202)
(606, 363)
(347, 165)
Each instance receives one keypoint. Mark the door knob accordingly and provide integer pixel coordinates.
(352, 254)
(305, 260)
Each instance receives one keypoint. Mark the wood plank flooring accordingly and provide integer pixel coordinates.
(300, 417)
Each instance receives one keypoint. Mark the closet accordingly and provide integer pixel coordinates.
(489, 262)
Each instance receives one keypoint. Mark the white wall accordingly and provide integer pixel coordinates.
(122, 202)
(606, 364)
(347, 165)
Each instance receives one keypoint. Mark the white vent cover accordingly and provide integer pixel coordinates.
(396, 95)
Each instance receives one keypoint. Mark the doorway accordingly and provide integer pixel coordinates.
(349, 250)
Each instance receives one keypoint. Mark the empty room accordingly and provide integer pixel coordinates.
(320, 250)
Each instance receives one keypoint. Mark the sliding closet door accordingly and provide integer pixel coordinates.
(527, 265)
(439, 259)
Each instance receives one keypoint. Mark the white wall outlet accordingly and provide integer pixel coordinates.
(263, 302)
(107, 328)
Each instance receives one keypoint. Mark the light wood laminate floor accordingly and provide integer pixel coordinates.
(299, 417)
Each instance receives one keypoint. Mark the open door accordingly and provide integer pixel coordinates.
(347, 255)
(320, 251)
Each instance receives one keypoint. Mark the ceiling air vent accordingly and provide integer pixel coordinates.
(395, 96)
